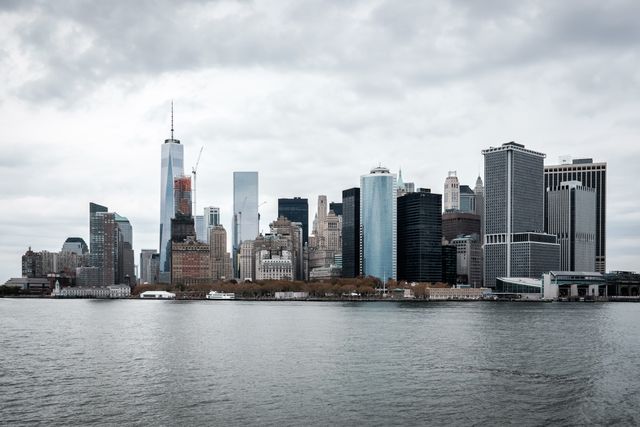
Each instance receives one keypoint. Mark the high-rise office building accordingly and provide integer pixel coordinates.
(336, 207)
(95, 243)
(211, 219)
(190, 262)
(147, 267)
(515, 244)
(326, 242)
(126, 258)
(296, 210)
(467, 199)
(451, 192)
(172, 166)
(76, 245)
(469, 260)
(246, 220)
(571, 216)
(182, 224)
(182, 195)
(591, 175)
(420, 236)
(351, 232)
(456, 224)
(479, 192)
(220, 258)
(378, 210)
(200, 228)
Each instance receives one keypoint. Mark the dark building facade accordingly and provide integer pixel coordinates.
(456, 224)
(591, 175)
(351, 232)
(449, 264)
(296, 210)
(420, 237)
(336, 208)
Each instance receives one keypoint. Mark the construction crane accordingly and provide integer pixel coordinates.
(194, 171)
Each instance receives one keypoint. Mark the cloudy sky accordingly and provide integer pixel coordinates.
(311, 94)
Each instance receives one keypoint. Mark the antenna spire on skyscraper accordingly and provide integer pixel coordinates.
(172, 119)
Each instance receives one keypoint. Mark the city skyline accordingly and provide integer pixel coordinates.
(299, 112)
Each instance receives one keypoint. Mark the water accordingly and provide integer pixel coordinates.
(90, 362)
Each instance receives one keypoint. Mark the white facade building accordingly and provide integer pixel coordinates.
(451, 200)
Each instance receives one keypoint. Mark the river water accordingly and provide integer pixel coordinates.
(93, 362)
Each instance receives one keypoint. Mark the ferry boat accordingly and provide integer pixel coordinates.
(221, 295)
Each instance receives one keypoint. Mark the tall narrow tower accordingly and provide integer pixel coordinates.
(246, 221)
(378, 210)
(172, 166)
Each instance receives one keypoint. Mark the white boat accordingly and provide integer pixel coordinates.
(221, 295)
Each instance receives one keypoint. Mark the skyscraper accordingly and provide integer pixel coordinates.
(296, 210)
(451, 192)
(591, 175)
(467, 199)
(479, 192)
(76, 245)
(245, 212)
(378, 210)
(220, 259)
(351, 232)
(336, 207)
(571, 216)
(211, 219)
(420, 236)
(515, 244)
(126, 258)
(95, 239)
(147, 267)
(172, 166)
(182, 225)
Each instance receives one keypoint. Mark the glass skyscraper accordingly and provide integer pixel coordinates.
(378, 233)
(172, 166)
(351, 232)
(245, 211)
(296, 210)
(420, 236)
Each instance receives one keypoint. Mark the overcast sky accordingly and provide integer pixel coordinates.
(311, 94)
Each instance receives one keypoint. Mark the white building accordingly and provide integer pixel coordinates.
(451, 199)
(274, 267)
(211, 219)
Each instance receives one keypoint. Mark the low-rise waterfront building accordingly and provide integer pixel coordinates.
(157, 295)
(291, 295)
(111, 291)
(441, 293)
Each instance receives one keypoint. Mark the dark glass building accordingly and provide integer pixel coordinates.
(296, 210)
(336, 208)
(351, 232)
(591, 175)
(420, 237)
(449, 264)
